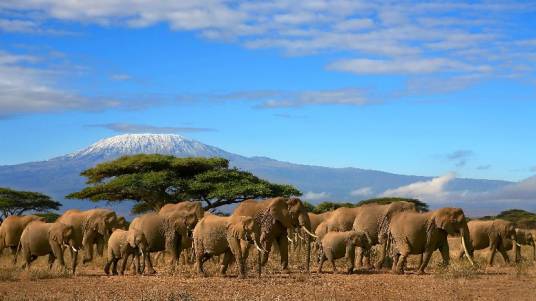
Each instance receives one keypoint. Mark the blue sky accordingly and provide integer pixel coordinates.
(413, 88)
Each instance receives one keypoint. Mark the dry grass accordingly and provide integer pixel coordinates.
(458, 281)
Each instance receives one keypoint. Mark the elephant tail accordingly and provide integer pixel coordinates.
(19, 248)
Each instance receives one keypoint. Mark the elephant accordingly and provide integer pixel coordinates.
(186, 207)
(121, 223)
(215, 235)
(423, 233)
(337, 245)
(163, 232)
(493, 234)
(40, 238)
(121, 244)
(11, 230)
(374, 220)
(341, 219)
(90, 227)
(524, 237)
(275, 216)
(316, 219)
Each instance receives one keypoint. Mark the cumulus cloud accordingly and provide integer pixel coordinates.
(364, 191)
(315, 196)
(134, 128)
(431, 191)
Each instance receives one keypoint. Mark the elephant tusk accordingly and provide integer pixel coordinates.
(467, 252)
(300, 236)
(141, 251)
(309, 232)
(290, 240)
(257, 246)
(518, 244)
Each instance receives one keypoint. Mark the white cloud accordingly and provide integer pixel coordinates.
(431, 191)
(364, 191)
(285, 99)
(405, 66)
(28, 88)
(315, 196)
(124, 127)
(120, 77)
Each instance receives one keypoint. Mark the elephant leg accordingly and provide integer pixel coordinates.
(383, 250)
(533, 251)
(504, 254)
(322, 258)
(114, 266)
(283, 252)
(350, 259)
(51, 259)
(264, 256)
(227, 256)
(396, 258)
(425, 260)
(359, 257)
(57, 253)
(100, 247)
(200, 260)
(107, 266)
(88, 255)
(401, 263)
(124, 263)
(14, 253)
(148, 263)
(331, 259)
(493, 250)
(445, 253)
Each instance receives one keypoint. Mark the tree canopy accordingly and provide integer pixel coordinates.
(13, 202)
(329, 206)
(522, 218)
(421, 206)
(155, 180)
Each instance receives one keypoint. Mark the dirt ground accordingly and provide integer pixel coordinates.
(459, 281)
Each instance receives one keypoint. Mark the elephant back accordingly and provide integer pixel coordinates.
(152, 226)
(77, 220)
(35, 237)
(13, 226)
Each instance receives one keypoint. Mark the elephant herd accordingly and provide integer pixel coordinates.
(397, 228)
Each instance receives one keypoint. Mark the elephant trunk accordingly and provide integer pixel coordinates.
(305, 224)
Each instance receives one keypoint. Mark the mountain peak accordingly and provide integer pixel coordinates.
(129, 144)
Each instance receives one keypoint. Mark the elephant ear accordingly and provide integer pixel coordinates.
(56, 233)
(279, 211)
(236, 228)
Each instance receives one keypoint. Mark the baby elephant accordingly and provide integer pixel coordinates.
(335, 245)
(215, 235)
(40, 238)
(121, 245)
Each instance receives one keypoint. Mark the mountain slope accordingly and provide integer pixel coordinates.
(60, 176)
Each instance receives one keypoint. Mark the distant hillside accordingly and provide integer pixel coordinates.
(60, 176)
(522, 218)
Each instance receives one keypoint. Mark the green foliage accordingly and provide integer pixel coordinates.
(155, 180)
(49, 217)
(308, 206)
(522, 218)
(13, 202)
(329, 206)
(421, 206)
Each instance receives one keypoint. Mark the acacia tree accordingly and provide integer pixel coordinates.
(419, 205)
(13, 202)
(155, 180)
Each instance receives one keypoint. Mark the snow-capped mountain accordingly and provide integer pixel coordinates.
(61, 175)
(130, 144)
